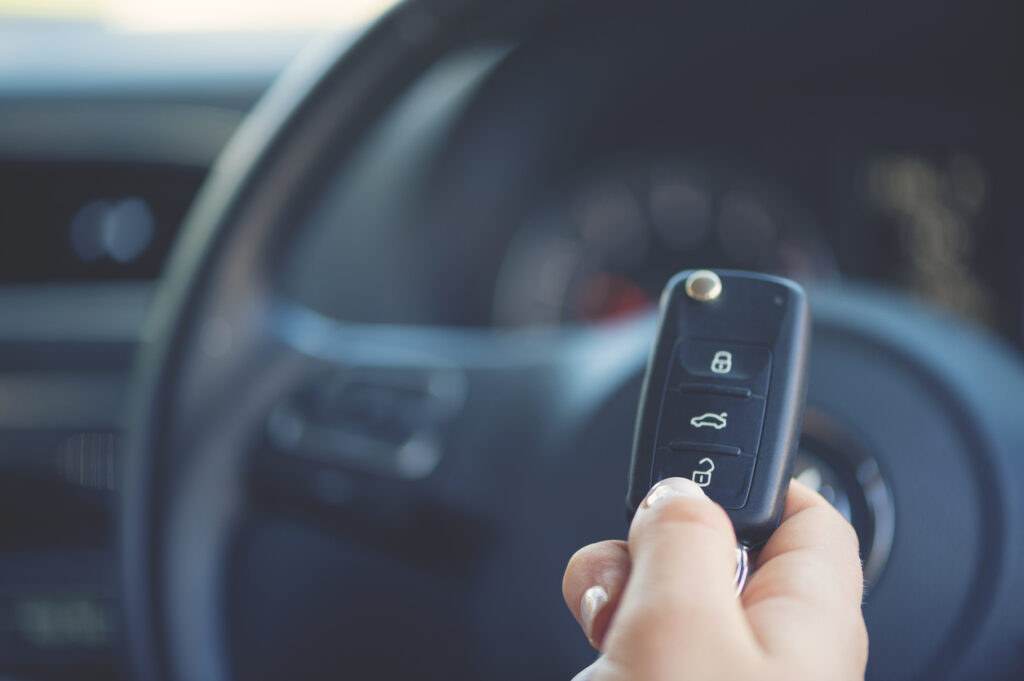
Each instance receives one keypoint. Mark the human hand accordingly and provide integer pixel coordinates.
(663, 606)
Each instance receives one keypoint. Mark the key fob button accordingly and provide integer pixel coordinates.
(726, 479)
(724, 364)
(701, 419)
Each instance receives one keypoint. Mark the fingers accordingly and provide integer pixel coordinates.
(819, 537)
(800, 612)
(593, 585)
(808, 584)
(680, 601)
(682, 545)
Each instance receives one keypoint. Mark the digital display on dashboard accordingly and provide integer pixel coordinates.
(65, 221)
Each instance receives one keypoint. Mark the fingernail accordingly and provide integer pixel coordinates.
(591, 603)
(672, 487)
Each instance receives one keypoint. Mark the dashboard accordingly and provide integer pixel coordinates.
(562, 182)
(606, 245)
(105, 138)
(843, 169)
(568, 179)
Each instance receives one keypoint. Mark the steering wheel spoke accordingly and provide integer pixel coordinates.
(381, 422)
(365, 451)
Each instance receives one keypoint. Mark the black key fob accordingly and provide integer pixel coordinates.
(724, 394)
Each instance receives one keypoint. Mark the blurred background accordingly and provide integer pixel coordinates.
(111, 112)
(892, 163)
(150, 16)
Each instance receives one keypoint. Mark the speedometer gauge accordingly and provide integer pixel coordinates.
(605, 248)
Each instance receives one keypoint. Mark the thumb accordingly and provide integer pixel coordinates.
(680, 605)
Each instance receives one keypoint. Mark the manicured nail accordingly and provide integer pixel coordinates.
(672, 487)
(591, 603)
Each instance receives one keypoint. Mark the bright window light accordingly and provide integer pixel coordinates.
(160, 16)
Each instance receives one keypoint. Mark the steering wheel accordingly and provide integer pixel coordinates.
(309, 497)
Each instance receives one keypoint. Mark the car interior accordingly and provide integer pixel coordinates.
(321, 349)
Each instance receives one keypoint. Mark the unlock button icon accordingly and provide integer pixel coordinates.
(702, 474)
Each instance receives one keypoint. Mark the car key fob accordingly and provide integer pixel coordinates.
(724, 394)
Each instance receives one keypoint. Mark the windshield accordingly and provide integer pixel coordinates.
(161, 16)
(61, 47)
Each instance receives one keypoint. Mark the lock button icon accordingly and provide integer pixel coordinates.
(702, 474)
(721, 363)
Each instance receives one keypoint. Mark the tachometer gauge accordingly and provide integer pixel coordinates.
(605, 248)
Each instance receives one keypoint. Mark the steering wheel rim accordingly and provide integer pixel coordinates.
(355, 81)
(325, 101)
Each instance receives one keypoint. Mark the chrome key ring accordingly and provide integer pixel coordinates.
(742, 568)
